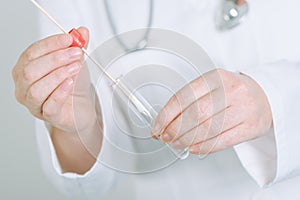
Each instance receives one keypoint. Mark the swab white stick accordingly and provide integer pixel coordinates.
(124, 89)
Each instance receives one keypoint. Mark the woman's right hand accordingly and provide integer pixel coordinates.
(44, 79)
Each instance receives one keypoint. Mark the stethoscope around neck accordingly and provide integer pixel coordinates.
(230, 14)
(142, 43)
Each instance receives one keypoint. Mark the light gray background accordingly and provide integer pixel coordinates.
(21, 176)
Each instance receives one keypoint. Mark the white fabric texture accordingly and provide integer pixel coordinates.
(278, 82)
(265, 47)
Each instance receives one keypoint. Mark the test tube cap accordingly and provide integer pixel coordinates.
(78, 40)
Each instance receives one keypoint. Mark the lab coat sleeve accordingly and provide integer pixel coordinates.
(99, 179)
(96, 182)
(274, 157)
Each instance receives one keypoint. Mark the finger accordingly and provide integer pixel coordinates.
(46, 46)
(85, 34)
(41, 90)
(184, 97)
(53, 106)
(210, 128)
(227, 139)
(42, 66)
(198, 112)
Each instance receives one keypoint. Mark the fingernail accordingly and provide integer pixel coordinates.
(154, 136)
(73, 68)
(193, 149)
(156, 129)
(75, 53)
(67, 84)
(66, 40)
(176, 145)
(166, 138)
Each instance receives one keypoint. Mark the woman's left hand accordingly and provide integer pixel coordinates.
(215, 111)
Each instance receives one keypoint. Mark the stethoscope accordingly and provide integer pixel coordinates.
(230, 14)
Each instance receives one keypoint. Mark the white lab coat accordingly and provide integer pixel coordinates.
(266, 47)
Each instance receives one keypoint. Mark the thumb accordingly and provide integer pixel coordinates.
(82, 80)
(85, 34)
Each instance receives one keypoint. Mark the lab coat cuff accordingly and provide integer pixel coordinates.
(71, 184)
(264, 158)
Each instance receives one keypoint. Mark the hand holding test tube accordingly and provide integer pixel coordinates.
(144, 111)
(139, 105)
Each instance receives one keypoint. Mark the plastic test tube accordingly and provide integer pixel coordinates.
(144, 111)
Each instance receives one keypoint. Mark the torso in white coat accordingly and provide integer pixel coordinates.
(264, 37)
